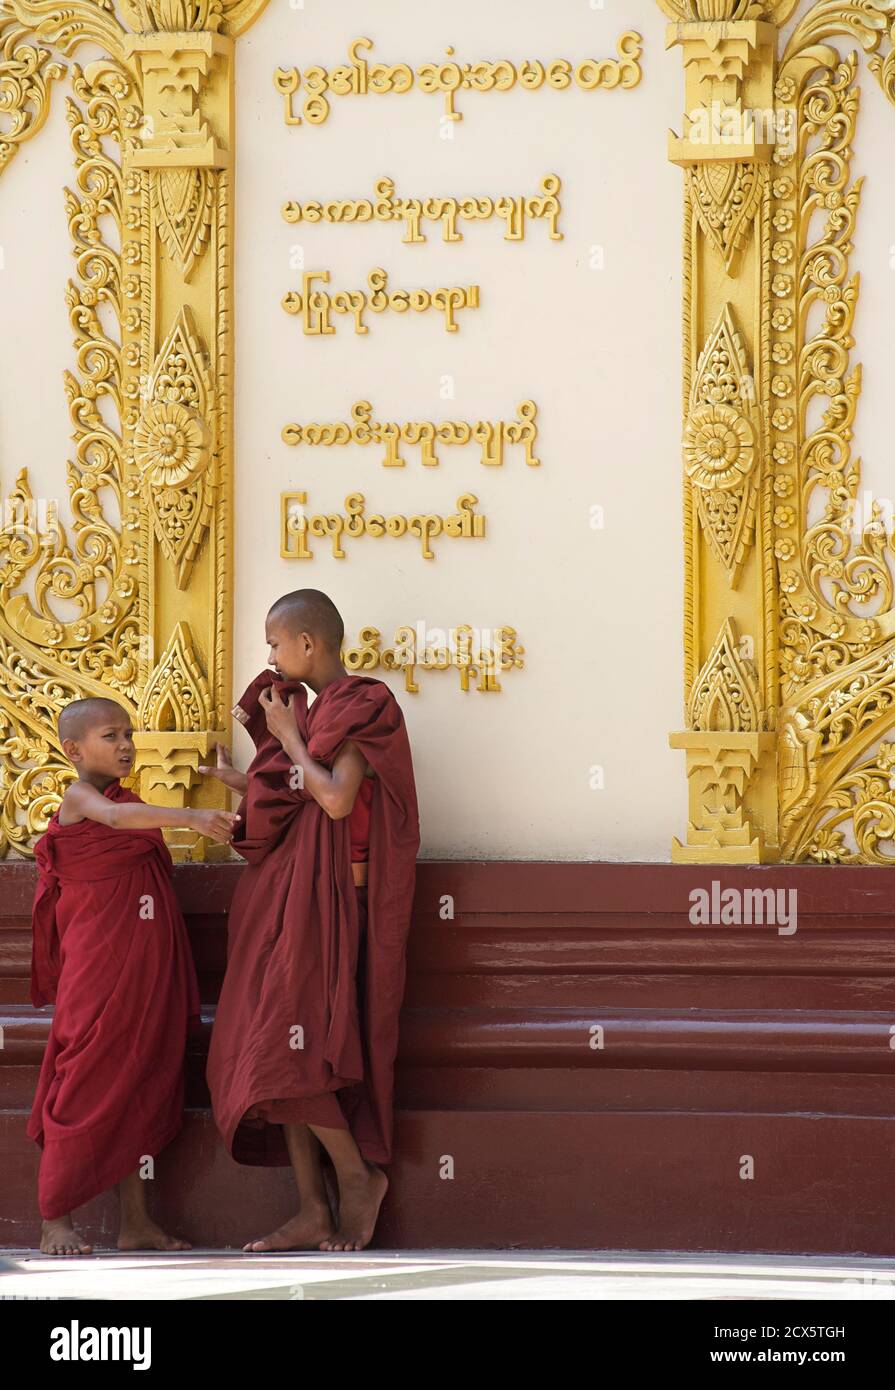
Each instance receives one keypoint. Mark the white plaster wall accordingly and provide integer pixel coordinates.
(599, 612)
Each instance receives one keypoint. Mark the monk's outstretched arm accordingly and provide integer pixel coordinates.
(334, 790)
(225, 772)
(83, 801)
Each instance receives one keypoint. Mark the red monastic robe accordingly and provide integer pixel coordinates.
(310, 1001)
(110, 948)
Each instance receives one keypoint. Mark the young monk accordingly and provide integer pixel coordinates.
(110, 949)
(303, 1047)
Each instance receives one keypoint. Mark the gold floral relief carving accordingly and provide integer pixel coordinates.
(173, 446)
(722, 440)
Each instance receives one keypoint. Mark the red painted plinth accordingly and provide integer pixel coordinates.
(581, 1066)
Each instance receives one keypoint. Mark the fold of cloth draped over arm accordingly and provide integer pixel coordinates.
(85, 853)
(296, 1020)
(110, 949)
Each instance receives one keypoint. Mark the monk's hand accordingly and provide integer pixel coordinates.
(216, 825)
(225, 772)
(280, 716)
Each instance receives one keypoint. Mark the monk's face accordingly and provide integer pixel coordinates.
(291, 653)
(105, 749)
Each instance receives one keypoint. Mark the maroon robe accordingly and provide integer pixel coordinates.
(310, 1001)
(110, 948)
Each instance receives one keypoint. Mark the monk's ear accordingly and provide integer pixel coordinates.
(72, 750)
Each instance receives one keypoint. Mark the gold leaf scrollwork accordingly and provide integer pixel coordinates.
(837, 803)
(854, 822)
(797, 766)
(68, 26)
(26, 74)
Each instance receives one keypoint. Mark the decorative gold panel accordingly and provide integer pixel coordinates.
(770, 483)
(142, 555)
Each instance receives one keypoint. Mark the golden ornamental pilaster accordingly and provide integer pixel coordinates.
(147, 554)
(727, 147)
(789, 632)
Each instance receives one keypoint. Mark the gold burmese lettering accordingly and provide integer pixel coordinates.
(492, 436)
(296, 526)
(430, 649)
(361, 78)
(316, 305)
(386, 207)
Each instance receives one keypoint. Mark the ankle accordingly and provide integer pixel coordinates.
(314, 1203)
(355, 1176)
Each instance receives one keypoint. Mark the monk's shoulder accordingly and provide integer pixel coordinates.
(378, 692)
(383, 703)
(71, 807)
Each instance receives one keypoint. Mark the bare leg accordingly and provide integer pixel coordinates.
(59, 1237)
(362, 1187)
(314, 1221)
(137, 1230)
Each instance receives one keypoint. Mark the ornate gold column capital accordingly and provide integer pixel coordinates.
(729, 72)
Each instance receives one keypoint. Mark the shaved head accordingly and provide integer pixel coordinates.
(78, 718)
(310, 610)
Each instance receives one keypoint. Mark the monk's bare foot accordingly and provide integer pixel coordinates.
(359, 1201)
(148, 1236)
(304, 1232)
(59, 1237)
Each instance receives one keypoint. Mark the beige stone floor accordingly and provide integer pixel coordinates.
(444, 1274)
